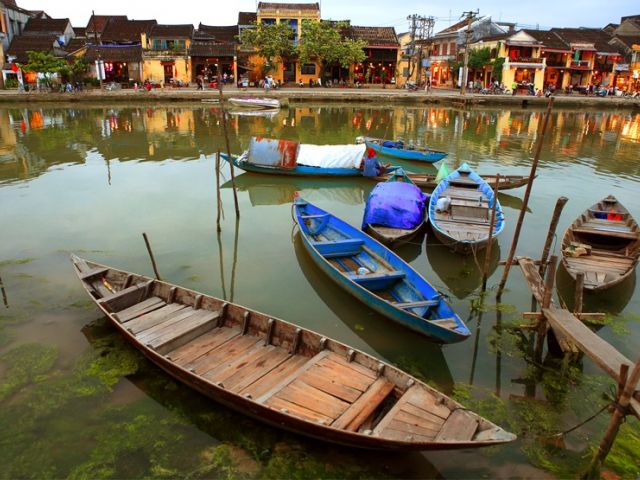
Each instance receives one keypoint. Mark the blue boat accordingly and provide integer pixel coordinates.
(376, 276)
(288, 157)
(401, 151)
(462, 220)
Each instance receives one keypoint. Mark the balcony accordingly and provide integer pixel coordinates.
(579, 65)
(165, 54)
(604, 67)
(556, 63)
(525, 62)
(442, 58)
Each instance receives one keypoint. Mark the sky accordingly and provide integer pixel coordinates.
(542, 14)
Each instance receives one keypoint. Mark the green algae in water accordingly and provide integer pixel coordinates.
(19, 261)
(624, 457)
(26, 364)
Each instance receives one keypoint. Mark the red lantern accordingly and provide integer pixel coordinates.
(14, 68)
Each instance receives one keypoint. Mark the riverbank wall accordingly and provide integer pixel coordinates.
(304, 96)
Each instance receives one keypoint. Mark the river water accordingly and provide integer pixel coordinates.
(76, 401)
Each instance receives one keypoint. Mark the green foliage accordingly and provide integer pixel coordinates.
(272, 42)
(45, 63)
(323, 42)
(479, 57)
(497, 68)
(623, 457)
(25, 364)
(78, 69)
(11, 83)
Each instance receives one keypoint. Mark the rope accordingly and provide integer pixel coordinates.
(562, 434)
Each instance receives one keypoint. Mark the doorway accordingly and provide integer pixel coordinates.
(289, 73)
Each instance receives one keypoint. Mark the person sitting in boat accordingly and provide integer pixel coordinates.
(371, 166)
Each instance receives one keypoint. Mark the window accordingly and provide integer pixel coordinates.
(436, 49)
(452, 48)
(268, 21)
(405, 72)
(308, 69)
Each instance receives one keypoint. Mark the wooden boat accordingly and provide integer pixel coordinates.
(603, 243)
(417, 154)
(255, 102)
(428, 180)
(464, 227)
(389, 236)
(376, 276)
(279, 373)
(288, 157)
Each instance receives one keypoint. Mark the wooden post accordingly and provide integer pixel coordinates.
(577, 307)
(525, 201)
(219, 202)
(4, 294)
(227, 144)
(153, 260)
(560, 203)
(492, 224)
(616, 419)
(546, 301)
(622, 379)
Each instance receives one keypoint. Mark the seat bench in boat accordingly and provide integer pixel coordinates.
(339, 248)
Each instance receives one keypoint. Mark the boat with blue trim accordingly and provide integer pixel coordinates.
(460, 211)
(376, 276)
(398, 149)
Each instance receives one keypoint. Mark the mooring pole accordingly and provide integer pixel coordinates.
(492, 224)
(525, 201)
(619, 412)
(153, 260)
(227, 144)
(219, 202)
(577, 306)
(4, 294)
(546, 301)
(557, 211)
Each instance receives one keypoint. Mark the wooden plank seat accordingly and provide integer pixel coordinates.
(148, 320)
(418, 304)
(445, 322)
(117, 301)
(188, 329)
(339, 248)
(607, 225)
(146, 306)
(377, 281)
(205, 343)
(94, 272)
(595, 212)
(460, 426)
(601, 230)
(360, 410)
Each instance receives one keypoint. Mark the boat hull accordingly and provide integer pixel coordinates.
(430, 156)
(393, 241)
(423, 180)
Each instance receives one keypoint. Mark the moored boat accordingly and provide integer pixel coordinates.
(255, 102)
(428, 180)
(395, 211)
(376, 276)
(397, 149)
(465, 222)
(603, 243)
(288, 157)
(279, 373)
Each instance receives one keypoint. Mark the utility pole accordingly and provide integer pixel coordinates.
(421, 29)
(99, 67)
(412, 45)
(470, 17)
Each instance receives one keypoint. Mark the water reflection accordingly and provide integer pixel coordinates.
(406, 349)
(33, 141)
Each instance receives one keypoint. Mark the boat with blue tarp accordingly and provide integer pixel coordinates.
(376, 276)
(395, 210)
(460, 211)
(398, 149)
(289, 157)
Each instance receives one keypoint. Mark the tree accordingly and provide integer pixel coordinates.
(497, 68)
(327, 43)
(76, 70)
(45, 63)
(272, 41)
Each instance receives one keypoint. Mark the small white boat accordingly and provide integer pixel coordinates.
(255, 102)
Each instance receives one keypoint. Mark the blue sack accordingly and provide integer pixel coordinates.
(395, 205)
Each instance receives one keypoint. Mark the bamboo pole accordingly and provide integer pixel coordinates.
(577, 307)
(492, 224)
(525, 201)
(153, 260)
(4, 294)
(619, 413)
(223, 114)
(546, 302)
(219, 201)
(557, 211)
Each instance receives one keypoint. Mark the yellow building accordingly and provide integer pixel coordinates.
(165, 54)
(293, 14)
(523, 63)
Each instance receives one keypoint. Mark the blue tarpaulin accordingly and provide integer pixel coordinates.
(395, 205)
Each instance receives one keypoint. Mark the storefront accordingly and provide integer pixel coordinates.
(210, 59)
(121, 63)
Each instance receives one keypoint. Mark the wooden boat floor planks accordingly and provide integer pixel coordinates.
(603, 243)
(428, 181)
(464, 225)
(376, 276)
(279, 373)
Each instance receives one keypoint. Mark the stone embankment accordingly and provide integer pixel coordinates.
(297, 96)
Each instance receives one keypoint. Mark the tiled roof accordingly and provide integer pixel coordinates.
(221, 34)
(598, 38)
(75, 44)
(114, 53)
(549, 39)
(37, 26)
(454, 28)
(22, 44)
(172, 31)
(208, 49)
(376, 36)
(288, 6)
(491, 38)
(127, 31)
(629, 40)
(80, 31)
(247, 18)
(97, 23)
